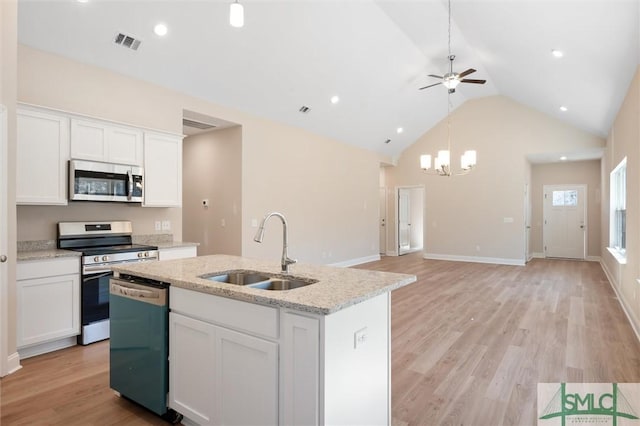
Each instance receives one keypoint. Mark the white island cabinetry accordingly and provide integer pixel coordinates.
(234, 362)
(316, 354)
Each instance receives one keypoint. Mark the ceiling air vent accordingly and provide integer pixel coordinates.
(304, 109)
(197, 124)
(127, 41)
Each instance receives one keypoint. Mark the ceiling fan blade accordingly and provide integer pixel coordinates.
(436, 76)
(431, 85)
(467, 72)
(469, 80)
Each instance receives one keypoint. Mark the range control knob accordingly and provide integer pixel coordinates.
(146, 254)
(96, 259)
(105, 258)
(140, 254)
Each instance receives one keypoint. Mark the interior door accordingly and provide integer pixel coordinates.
(404, 221)
(527, 223)
(383, 221)
(565, 221)
(4, 331)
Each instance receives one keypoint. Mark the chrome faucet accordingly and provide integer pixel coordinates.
(260, 235)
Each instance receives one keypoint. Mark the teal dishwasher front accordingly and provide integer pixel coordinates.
(139, 323)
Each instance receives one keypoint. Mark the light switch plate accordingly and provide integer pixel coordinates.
(166, 225)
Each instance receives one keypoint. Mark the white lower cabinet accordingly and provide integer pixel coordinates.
(240, 363)
(48, 305)
(246, 379)
(177, 252)
(221, 377)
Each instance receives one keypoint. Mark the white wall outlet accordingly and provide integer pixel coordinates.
(360, 337)
(223, 223)
(508, 220)
(477, 248)
(166, 225)
(158, 225)
(205, 202)
(254, 223)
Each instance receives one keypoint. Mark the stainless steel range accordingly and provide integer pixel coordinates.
(103, 244)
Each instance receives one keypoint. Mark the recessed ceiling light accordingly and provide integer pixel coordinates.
(563, 158)
(557, 53)
(82, 1)
(563, 108)
(160, 29)
(399, 130)
(335, 99)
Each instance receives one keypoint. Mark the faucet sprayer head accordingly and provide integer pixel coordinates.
(260, 234)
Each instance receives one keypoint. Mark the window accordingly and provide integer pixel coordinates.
(565, 198)
(618, 211)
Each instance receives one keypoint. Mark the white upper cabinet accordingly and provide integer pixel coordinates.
(162, 170)
(100, 141)
(42, 156)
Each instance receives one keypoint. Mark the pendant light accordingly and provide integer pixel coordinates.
(236, 15)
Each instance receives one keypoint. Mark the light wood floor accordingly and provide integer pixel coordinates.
(470, 342)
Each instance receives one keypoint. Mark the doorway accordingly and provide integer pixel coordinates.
(410, 214)
(4, 282)
(565, 221)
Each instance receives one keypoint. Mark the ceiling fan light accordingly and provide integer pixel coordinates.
(236, 15)
(451, 82)
(425, 162)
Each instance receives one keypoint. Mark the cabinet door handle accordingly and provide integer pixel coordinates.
(3, 258)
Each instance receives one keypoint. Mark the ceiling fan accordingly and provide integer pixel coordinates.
(451, 79)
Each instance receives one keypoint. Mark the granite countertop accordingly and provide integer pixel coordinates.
(337, 288)
(47, 249)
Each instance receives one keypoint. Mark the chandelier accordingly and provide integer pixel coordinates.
(442, 162)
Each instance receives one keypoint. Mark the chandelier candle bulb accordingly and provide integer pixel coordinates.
(425, 162)
(236, 15)
(444, 157)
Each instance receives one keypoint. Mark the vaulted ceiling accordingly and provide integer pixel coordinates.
(374, 55)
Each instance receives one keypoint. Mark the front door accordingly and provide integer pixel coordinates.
(565, 221)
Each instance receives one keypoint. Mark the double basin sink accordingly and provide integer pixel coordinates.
(260, 280)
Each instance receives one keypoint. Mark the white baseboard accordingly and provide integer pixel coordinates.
(474, 259)
(43, 348)
(635, 324)
(593, 258)
(13, 363)
(537, 255)
(392, 253)
(358, 261)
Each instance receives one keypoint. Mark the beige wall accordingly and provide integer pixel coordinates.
(624, 141)
(212, 169)
(328, 190)
(465, 215)
(8, 98)
(572, 173)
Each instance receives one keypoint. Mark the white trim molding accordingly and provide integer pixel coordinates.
(475, 259)
(13, 363)
(358, 261)
(633, 321)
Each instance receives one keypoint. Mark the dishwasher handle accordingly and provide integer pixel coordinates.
(139, 292)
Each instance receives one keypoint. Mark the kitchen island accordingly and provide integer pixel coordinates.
(318, 354)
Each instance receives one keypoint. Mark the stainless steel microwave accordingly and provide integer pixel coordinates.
(95, 181)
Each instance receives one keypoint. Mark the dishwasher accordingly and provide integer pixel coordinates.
(139, 343)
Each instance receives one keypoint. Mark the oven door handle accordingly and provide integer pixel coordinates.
(129, 184)
(99, 273)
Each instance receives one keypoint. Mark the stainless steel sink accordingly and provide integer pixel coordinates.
(238, 277)
(283, 284)
(259, 280)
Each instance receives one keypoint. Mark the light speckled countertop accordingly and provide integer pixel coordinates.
(46, 249)
(337, 288)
